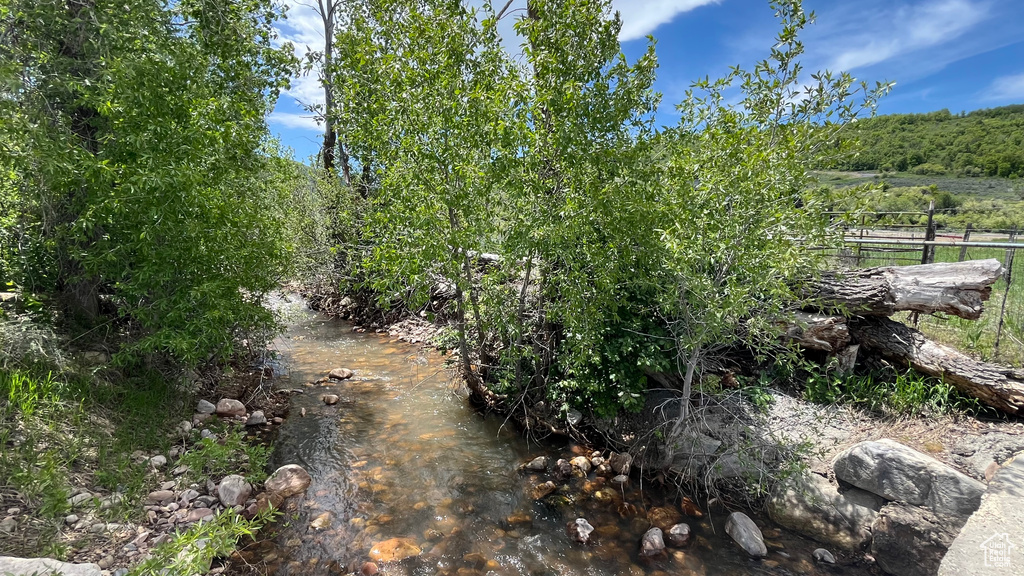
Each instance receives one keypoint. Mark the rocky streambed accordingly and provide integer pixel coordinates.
(406, 478)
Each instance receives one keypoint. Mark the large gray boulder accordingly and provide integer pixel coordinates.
(744, 532)
(911, 541)
(897, 472)
(810, 505)
(994, 535)
(10, 566)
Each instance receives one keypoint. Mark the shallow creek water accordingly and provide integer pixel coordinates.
(401, 455)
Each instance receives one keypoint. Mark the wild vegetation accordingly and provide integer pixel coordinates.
(141, 217)
(980, 143)
(619, 250)
(146, 211)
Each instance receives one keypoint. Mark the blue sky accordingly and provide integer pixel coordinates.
(955, 54)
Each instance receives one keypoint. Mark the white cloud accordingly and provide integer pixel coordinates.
(641, 17)
(865, 34)
(1006, 88)
(292, 120)
(304, 29)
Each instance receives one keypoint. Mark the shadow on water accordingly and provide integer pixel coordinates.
(402, 460)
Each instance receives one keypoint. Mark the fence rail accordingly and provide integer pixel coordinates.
(892, 243)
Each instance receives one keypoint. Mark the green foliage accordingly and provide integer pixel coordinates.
(217, 458)
(741, 210)
(622, 251)
(982, 143)
(192, 551)
(136, 159)
(897, 392)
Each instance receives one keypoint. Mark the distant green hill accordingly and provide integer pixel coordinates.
(983, 143)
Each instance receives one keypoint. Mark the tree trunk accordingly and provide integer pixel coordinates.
(818, 331)
(79, 291)
(957, 288)
(1001, 387)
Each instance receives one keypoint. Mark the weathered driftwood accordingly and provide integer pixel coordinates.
(956, 288)
(1001, 387)
(818, 331)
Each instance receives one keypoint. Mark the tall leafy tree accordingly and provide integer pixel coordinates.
(739, 214)
(584, 198)
(432, 93)
(136, 135)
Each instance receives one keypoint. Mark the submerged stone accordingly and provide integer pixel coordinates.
(394, 550)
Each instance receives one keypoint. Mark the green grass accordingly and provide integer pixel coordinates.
(229, 455)
(60, 431)
(79, 430)
(889, 392)
(988, 188)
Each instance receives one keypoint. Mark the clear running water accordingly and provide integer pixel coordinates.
(402, 456)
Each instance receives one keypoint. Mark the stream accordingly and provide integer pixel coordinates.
(404, 469)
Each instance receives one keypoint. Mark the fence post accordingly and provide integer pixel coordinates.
(928, 254)
(1010, 253)
(967, 238)
(863, 222)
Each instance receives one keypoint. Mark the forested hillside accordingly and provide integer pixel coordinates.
(981, 143)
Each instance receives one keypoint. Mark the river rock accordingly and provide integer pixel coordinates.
(80, 499)
(538, 464)
(340, 374)
(581, 462)
(230, 407)
(652, 543)
(369, 569)
(690, 508)
(160, 496)
(823, 556)
(663, 517)
(205, 407)
(394, 550)
(197, 514)
(542, 490)
(330, 399)
(573, 417)
(563, 470)
(898, 472)
(678, 535)
(8, 525)
(911, 541)
(288, 480)
(620, 479)
(233, 490)
(31, 566)
(158, 461)
(620, 462)
(321, 522)
(579, 530)
(811, 505)
(744, 532)
(257, 418)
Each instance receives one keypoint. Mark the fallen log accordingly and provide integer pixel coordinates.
(956, 288)
(1001, 387)
(818, 331)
